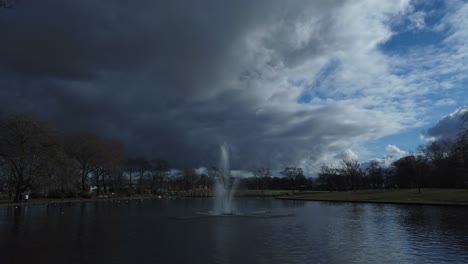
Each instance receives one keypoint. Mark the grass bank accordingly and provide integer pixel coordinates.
(239, 193)
(457, 197)
(262, 193)
(74, 200)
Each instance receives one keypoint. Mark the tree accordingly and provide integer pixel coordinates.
(189, 177)
(27, 145)
(439, 150)
(5, 178)
(114, 164)
(107, 167)
(443, 158)
(261, 175)
(142, 166)
(351, 170)
(422, 167)
(404, 171)
(213, 174)
(375, 175)
(99, 158)
(329, 178)
(160, 171)
(206, 181)
(84, 148)
(64, 176)
(130, 167)
(293, 174)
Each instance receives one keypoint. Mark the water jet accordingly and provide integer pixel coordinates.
(225, 185)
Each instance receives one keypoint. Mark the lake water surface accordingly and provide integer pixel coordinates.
(171, 231)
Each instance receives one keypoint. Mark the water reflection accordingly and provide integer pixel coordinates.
(147, 232)
(432, 229)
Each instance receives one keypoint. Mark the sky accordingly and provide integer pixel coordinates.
(283, 83)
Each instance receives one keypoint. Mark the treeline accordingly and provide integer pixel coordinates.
(35, 157)
(38, 160)
(292, 179)
(439, 164)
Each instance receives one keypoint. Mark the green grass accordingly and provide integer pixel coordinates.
(263, 193)
(427, 196)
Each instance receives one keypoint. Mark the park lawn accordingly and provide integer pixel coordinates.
(427, 196)
(262, 193)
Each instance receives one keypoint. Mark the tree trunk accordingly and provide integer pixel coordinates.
(17, 196)
(10, 193)
(130, 179)
(104, 187)
(83, 179)
(18, 193)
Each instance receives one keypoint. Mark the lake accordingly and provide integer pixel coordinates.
(269, 231)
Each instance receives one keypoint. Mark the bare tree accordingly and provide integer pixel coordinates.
(142, 166)
(27, 145)
(107, 168)
(130, 168)
(422, 167)
(85, 149)
(189, 178)
(5, 178)
(439, 150)
(114, 163)
(293, 174)
(212, 173)
(375, 174)
(262, 174)
(160, 171)
(64, 176)
(351, 169)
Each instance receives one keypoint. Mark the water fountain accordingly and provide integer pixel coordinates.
(225, 185)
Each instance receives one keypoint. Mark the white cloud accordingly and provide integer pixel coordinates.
(348, 154)
(384, 94)
(417, 20)
(424, 138)
(445, 102)
(394, 151)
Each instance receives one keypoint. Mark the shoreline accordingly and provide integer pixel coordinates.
(373, 201)
(46, 201)
(435, 197)
(432, 197)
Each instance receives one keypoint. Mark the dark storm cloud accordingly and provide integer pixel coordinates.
(171, 78)
(449, 126)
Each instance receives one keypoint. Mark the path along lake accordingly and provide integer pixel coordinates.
(267, 231)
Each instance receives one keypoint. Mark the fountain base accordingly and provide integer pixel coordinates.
(259, 214)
